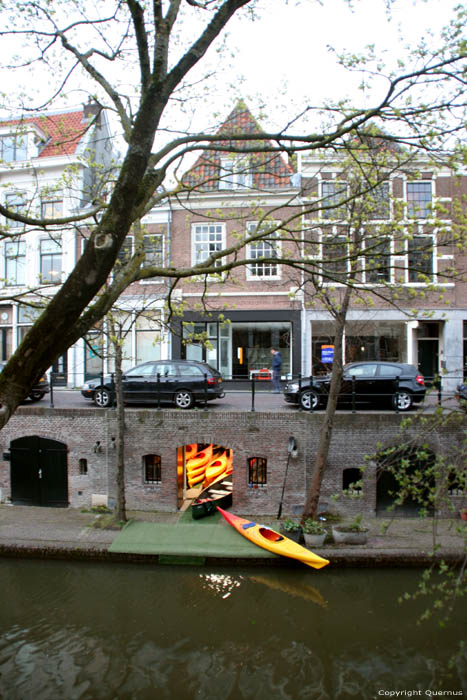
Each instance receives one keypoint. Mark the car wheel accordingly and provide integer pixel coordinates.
(36, 395)
(402, 401)
(309, 399)
(184, 399)
(103, 398)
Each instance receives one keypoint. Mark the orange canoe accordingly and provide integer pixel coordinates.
(200, 459)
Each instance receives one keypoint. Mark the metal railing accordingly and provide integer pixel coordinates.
(352, 399)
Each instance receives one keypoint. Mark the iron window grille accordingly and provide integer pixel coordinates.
(257, 471)
(152, 469)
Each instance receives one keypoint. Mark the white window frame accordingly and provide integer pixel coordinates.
(15, 261)
(146, 263)
(51, 205)
(235, 174)
(432, 277)
(201, 233)
(42, 254)
(19, 147)
(16, 202)
(334, 237)
(389, 259)
(252, 270)
(335, 212)
(380, 200)
(411, 213)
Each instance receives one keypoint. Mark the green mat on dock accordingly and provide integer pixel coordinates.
(208, 537)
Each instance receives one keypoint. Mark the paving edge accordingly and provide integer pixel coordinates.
(338, 559)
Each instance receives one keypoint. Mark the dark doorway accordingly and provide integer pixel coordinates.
(428, 351)
(39, 474)
(406, 465)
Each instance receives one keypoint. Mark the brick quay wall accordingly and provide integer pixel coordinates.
(89, 436)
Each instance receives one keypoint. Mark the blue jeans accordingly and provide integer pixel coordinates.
(276, 379)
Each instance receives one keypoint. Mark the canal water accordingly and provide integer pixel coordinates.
(93, 631)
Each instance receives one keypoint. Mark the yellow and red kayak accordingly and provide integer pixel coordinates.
(273, 541)
(221, 465)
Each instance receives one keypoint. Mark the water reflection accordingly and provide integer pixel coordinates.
(93, 631)
(221, 584)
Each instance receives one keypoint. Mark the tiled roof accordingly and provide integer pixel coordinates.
(269, 170)
(63, 131)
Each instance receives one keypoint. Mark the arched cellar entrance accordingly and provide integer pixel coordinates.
(204, 474)
(404, 470)
(39, 472)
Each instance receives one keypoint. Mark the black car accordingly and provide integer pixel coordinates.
(182, 382)
(39, 390)
(461, 395)
(400, 384)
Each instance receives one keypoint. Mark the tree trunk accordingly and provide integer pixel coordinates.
(311, 504)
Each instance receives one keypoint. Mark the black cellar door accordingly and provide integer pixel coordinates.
(39, 472)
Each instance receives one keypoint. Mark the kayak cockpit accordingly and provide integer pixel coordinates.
(270, 534)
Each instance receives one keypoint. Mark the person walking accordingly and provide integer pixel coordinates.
(276, 370)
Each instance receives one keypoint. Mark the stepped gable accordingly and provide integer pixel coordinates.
(269, 171)
(63, 131)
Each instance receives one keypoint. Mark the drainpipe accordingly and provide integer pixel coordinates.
(411, 328)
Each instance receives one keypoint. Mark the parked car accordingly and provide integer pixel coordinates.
(182, 382)
(39, 390)
(461, 395)
(397, 383)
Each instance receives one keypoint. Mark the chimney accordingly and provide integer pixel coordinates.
(91, 110)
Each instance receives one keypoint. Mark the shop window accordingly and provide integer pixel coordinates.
(83, 466)
(152, 469)
(257, 471)
(352, 482)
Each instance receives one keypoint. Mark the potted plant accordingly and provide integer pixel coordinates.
(292, 529)
(463, 513)
(352, 533)
(314, 533)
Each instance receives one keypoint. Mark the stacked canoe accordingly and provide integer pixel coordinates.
(207, 465)
(210, 469)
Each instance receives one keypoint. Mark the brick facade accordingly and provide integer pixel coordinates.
(249, 434)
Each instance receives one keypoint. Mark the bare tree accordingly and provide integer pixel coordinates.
(425, 101)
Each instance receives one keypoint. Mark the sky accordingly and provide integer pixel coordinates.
(283, 59)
